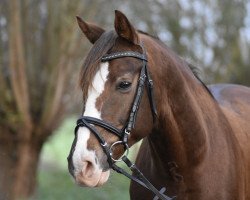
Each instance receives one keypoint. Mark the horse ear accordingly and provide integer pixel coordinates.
(124, 28)
(91, 31)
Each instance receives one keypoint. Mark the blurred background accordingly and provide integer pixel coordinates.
(41, 53)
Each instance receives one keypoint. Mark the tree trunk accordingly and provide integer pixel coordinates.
(18, 168)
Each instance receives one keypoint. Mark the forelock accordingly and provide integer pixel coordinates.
(93, 60)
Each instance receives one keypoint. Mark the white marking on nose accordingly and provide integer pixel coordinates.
(95, 91)
(81, 152)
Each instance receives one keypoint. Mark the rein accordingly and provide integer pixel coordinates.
(123, 134)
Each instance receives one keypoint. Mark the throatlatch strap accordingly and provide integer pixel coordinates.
(149, 86)
(151, 95)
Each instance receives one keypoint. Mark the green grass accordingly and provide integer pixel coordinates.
(54, 181)
(58, 185)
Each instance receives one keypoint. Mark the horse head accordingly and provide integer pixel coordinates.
(110, 87)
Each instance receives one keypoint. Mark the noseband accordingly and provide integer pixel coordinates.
(123, 133)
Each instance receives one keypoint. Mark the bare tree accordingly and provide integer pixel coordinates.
(214, 35)
(39, 49)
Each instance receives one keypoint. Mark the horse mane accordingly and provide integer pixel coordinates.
(150, 35)
(195, 70)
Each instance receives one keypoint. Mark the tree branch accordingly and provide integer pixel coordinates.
(17, 66)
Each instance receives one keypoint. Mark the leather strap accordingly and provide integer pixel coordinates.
(150, 88)
(137, 100)
(122, 54)
(142, 180)
(102, 124)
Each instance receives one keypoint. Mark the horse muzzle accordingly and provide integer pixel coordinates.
(87, 172)
(90, 176)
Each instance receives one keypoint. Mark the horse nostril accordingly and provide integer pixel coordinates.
(88, 169)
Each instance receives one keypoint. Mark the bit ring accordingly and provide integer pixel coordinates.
(124, 154)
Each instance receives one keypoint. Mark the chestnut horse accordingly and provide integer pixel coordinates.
(198, 146)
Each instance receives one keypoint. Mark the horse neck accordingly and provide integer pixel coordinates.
(185, 110)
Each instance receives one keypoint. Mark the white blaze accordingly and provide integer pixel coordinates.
(81, 152)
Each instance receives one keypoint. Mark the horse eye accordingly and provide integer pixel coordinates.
(124, 85)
